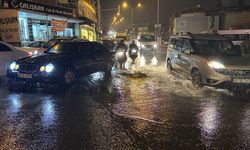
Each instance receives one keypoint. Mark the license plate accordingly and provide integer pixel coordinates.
(24, 76)
(247, 81)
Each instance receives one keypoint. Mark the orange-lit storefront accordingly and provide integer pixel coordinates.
(87, 10)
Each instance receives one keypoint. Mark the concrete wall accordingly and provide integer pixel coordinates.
(195, 23)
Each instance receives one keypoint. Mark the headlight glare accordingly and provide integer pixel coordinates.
(155, 45)
(120, 53)
(13, 65)
(17, 67)
(216, 65)
(42, 68)
(143, 46)
(49, 68)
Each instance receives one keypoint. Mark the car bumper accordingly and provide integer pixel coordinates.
(37, 79)
(228, 82)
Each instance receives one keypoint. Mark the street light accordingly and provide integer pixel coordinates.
(125, 5)
(139, 5)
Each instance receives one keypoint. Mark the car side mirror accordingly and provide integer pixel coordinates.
(187, 51)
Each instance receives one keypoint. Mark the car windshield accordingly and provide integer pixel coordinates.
(63, 48)
(36, 44)
(54, 41)
(147, 38)
(214, 47)
(50, 43)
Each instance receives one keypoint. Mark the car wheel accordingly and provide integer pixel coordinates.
(196, 78)
(70, 76)
(169, 65)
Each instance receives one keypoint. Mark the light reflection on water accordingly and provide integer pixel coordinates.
(15, 103)
(48, 112)
(209, 121)
(245, 126)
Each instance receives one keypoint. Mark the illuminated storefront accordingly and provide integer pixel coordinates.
(86, 10)
(87, 32)
(34, 21)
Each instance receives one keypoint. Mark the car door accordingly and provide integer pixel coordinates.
(177, 54)
(98, 56)
(84, 63)
(186, 57)
(171, 54)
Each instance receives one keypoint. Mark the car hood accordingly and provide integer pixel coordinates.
(230, 62)
(32, 49)
(43, 58)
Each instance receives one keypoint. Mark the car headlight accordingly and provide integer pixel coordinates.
(35, 52)
(120, 53)
(216, 65)
(134, 51)
(42, 68)
(49, 68)
(17, 67)
(13, 65)
(143, 46)
(155, 45)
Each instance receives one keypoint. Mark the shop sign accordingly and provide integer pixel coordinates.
(27, 5)
(59, 25)
(9, 26)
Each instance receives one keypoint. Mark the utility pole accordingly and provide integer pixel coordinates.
(158, 29)
(158, 11)
(132, 17)
(99, 16)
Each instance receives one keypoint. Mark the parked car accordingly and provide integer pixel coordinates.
(35, 47)
(208, 60)
(8, 53)
(61, 64)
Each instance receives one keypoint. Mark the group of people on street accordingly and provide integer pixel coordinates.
(121, 51)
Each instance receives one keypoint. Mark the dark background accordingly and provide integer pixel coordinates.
(147, 14)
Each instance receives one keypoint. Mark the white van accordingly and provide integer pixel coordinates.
(147, 42)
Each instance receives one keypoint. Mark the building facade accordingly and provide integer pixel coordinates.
(234, 3)
(25, 21)
(223, 19)
(195, 22)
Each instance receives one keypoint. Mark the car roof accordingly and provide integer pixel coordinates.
(201, 36)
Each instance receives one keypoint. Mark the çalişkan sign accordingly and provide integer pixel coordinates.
(32, 6)
(9, 27)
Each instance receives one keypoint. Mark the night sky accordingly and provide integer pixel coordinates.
(147, 14)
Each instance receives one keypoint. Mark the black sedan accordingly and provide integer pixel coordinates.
(61, 64)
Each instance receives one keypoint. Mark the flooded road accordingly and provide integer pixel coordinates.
(147, 109)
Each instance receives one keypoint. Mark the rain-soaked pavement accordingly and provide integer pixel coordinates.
(149, 110)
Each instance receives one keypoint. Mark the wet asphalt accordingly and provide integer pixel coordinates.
(148, 109)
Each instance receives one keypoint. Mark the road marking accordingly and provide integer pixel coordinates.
(137, 118)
